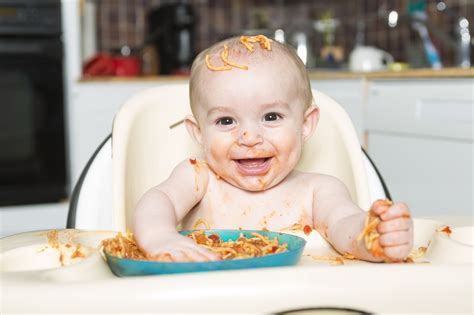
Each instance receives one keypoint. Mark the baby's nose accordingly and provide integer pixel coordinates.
(250, 138)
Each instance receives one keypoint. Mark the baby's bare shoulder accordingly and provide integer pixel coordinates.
(191, 167)
(317, 180)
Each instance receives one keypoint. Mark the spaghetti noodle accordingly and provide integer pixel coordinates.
(370, 233)
(261, 39)
(214, 68)
(247, 41)
(256, 246)
(124, 246)
(227, 62)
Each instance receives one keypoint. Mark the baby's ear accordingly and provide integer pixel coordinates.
(311, 118)
(192, 126)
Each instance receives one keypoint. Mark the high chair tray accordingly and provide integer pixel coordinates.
(33, 280)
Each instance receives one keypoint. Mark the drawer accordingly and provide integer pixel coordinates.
(439, 108)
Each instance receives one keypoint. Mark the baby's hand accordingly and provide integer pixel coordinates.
(172, 246)
(395, 228)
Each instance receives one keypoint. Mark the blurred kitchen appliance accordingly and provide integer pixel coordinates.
(171, 29)
(121, 63)
(32, 135)
(126, 62)
(300, 42)
(367, 58)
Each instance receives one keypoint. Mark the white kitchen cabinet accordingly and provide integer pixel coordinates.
(350, 94)
(90, 115)
(421, 138)
(26, 218)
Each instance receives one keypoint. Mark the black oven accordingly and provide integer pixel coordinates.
(32, 132)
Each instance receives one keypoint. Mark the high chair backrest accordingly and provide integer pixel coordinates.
(145, 149)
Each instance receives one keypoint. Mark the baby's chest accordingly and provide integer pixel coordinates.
(273, 210)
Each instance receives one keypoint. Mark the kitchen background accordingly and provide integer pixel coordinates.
(386, 24)
(412, 113)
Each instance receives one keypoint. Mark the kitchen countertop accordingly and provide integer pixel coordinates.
(411, 73)
(317, 75)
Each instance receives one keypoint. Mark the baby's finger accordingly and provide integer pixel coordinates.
(397, 210)
(207, 254)
(398, 253)
(191, 256)
(395, 238)
(380, 206)
(164, 257)
(178, 255)
(195, 255)
(168, 256)
(398, 224)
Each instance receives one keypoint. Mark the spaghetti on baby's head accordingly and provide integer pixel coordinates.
(280, 56)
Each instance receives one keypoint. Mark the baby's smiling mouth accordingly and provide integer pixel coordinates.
(253, 166)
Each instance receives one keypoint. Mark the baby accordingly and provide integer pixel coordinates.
(252, 112)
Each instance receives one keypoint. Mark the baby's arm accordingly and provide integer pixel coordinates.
(161, 208)
(340, 221)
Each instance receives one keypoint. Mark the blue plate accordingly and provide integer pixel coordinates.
(129, 267)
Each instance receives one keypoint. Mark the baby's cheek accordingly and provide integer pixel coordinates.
(289, 147)
(285, 138)
(214, 151)
(216, 147)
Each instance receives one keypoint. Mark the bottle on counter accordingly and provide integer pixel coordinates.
(150, 61)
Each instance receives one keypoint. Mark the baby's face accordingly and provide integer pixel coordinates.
(251, 125)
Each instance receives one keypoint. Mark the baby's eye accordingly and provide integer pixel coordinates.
(225, 121)
(272, 117)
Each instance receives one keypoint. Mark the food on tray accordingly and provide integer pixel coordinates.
(445, 229)
(68, 251)
(334, 260)
(417, 253)
(307, 229)
(124, 246)
(243, 247)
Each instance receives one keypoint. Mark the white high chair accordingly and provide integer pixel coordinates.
(143, 150)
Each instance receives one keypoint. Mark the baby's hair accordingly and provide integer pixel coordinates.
(240, 54)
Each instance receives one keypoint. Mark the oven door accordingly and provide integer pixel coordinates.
(32, 137)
